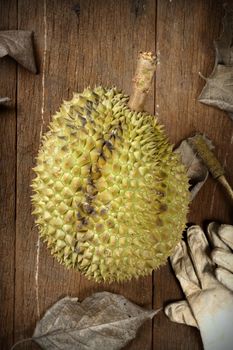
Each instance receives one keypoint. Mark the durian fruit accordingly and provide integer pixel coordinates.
(110, 196)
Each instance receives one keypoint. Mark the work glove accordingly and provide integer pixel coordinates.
(209, 290)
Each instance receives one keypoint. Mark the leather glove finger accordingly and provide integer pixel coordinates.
(225, 232)
(184, 270)
(223, 259)
(215, 240)
(200, 255)
(225, 277)
(180, 312)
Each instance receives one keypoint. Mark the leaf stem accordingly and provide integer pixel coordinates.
(20, 342)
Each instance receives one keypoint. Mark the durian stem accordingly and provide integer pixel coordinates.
(142, 80)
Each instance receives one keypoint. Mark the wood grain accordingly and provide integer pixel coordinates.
(8, 73)
(99, 45)
(29, 106)
(84, 43)
(185, 34)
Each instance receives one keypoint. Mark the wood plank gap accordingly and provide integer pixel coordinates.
(7, 179)
(152, 304)
(16, 110)
(16, 148)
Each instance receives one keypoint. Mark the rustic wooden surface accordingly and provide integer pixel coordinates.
(99, 44)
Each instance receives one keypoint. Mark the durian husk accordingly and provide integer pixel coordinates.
(110, 197)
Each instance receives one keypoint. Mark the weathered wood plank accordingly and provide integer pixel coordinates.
(8, 20)
(112, 33)
(30, 124)
(97, 45)
(185, 34)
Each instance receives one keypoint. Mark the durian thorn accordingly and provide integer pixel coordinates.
(142, 80)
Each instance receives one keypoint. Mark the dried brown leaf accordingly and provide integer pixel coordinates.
(223, 46)
(218, 90)
(18, 45)
(196, 170)
(103, 321)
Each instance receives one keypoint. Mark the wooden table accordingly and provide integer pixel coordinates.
(98, 44)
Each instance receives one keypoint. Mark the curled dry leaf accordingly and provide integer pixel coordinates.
(218, 90)
(18, 45)
(103, 321)
(223, 46)
(196, 170)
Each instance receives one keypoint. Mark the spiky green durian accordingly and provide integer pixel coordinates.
(110, 196)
